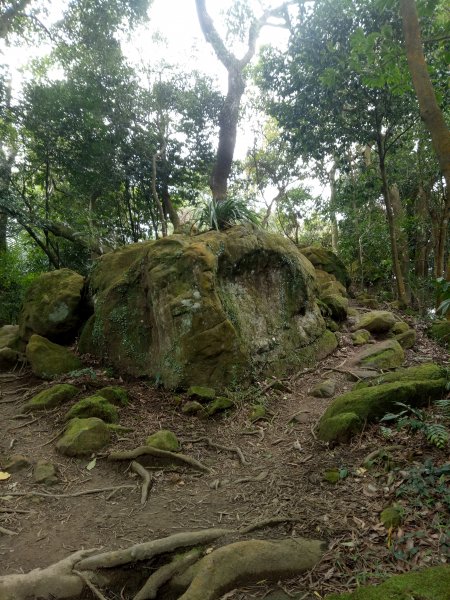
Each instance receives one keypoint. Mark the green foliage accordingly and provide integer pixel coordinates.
(16, 274)
(427, 484)
(436, 434)
(222, 215)
(443, 294)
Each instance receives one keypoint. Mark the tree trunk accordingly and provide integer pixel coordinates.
(398, 274)
(229, 113)
(398, 213)
(169, 209)
(3, 229)
(334, 223)
(429, 108)
(420, 242)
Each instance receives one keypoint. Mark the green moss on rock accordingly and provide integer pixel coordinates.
(440, 332)
(216, 309)
(258, 412)
(377, 321)
(218, 404)
(337, 306)
(10, 338)
(326, 260)
(94, 406)
(192, 407)
(399, 327)
(425, 372)
(360, 337)
(324, 389)
(384, 355)
(57, 395)
(348, 413)
(428, 584)
(84, 436)
(200, 393)
(53, 306)
(114, 394)
(164, 440)
(48, 360)
(406, 339)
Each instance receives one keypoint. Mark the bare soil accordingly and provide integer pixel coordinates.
(283, 453)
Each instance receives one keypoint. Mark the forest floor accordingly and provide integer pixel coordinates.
(283, 477)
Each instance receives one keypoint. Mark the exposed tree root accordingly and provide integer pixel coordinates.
(73, 495)
(157, 453)
(89, 584)
(55, 581)
(150, 590)
(140, 470)
(209, 441)
(251, 561)
(148, 550)
(269, 523)
(379, 453)
(5, 531)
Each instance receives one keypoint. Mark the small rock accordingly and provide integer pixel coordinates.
(200, 393)
(94, 406)
(45, 473)
(84, 436)
(407, 339)
(114, 394)
(16, 463)
(324, 389)
(192, 407)
(377, 321)
(360, 337)
(258, 412)
(399, 327)
(219, 404)
(164, 440)
(51, 397)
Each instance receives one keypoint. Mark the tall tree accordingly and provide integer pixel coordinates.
(229, 114)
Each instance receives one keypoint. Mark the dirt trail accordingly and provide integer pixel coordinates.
(283, 477)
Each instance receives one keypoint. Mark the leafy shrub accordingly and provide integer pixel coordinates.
(443, 294)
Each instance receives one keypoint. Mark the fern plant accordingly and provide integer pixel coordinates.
(435, 432)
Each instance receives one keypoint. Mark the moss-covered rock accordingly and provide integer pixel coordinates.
(164, 440)
(94, 406)
(440, 331)
(326, 260)
(377, 321)
(57, 395)
(10, 338)
(332, 475)
(45, 473)
(84, 436)
(258, 412)
(328, 284)
(349, 413)
(384, 355)
(192, 407)
(219, 404)
(429, 584)
(201, 393)
(324, 389)
(337, 306)
(406, 339)
(114, 394)
(360, 337)
(54, 306)
(9, 358)
(425, 372)
(48, 360)
(211, 310)
(399, 327)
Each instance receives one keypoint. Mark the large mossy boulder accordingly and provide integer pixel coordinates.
(51, 397)
(209, 310)
(54, 306)
(49, 360)
(440, 331)
(426, 372)
(84, 436)
(377, 321)
(328, 261)
(383, 355)
(349, 413)
(428, 584)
